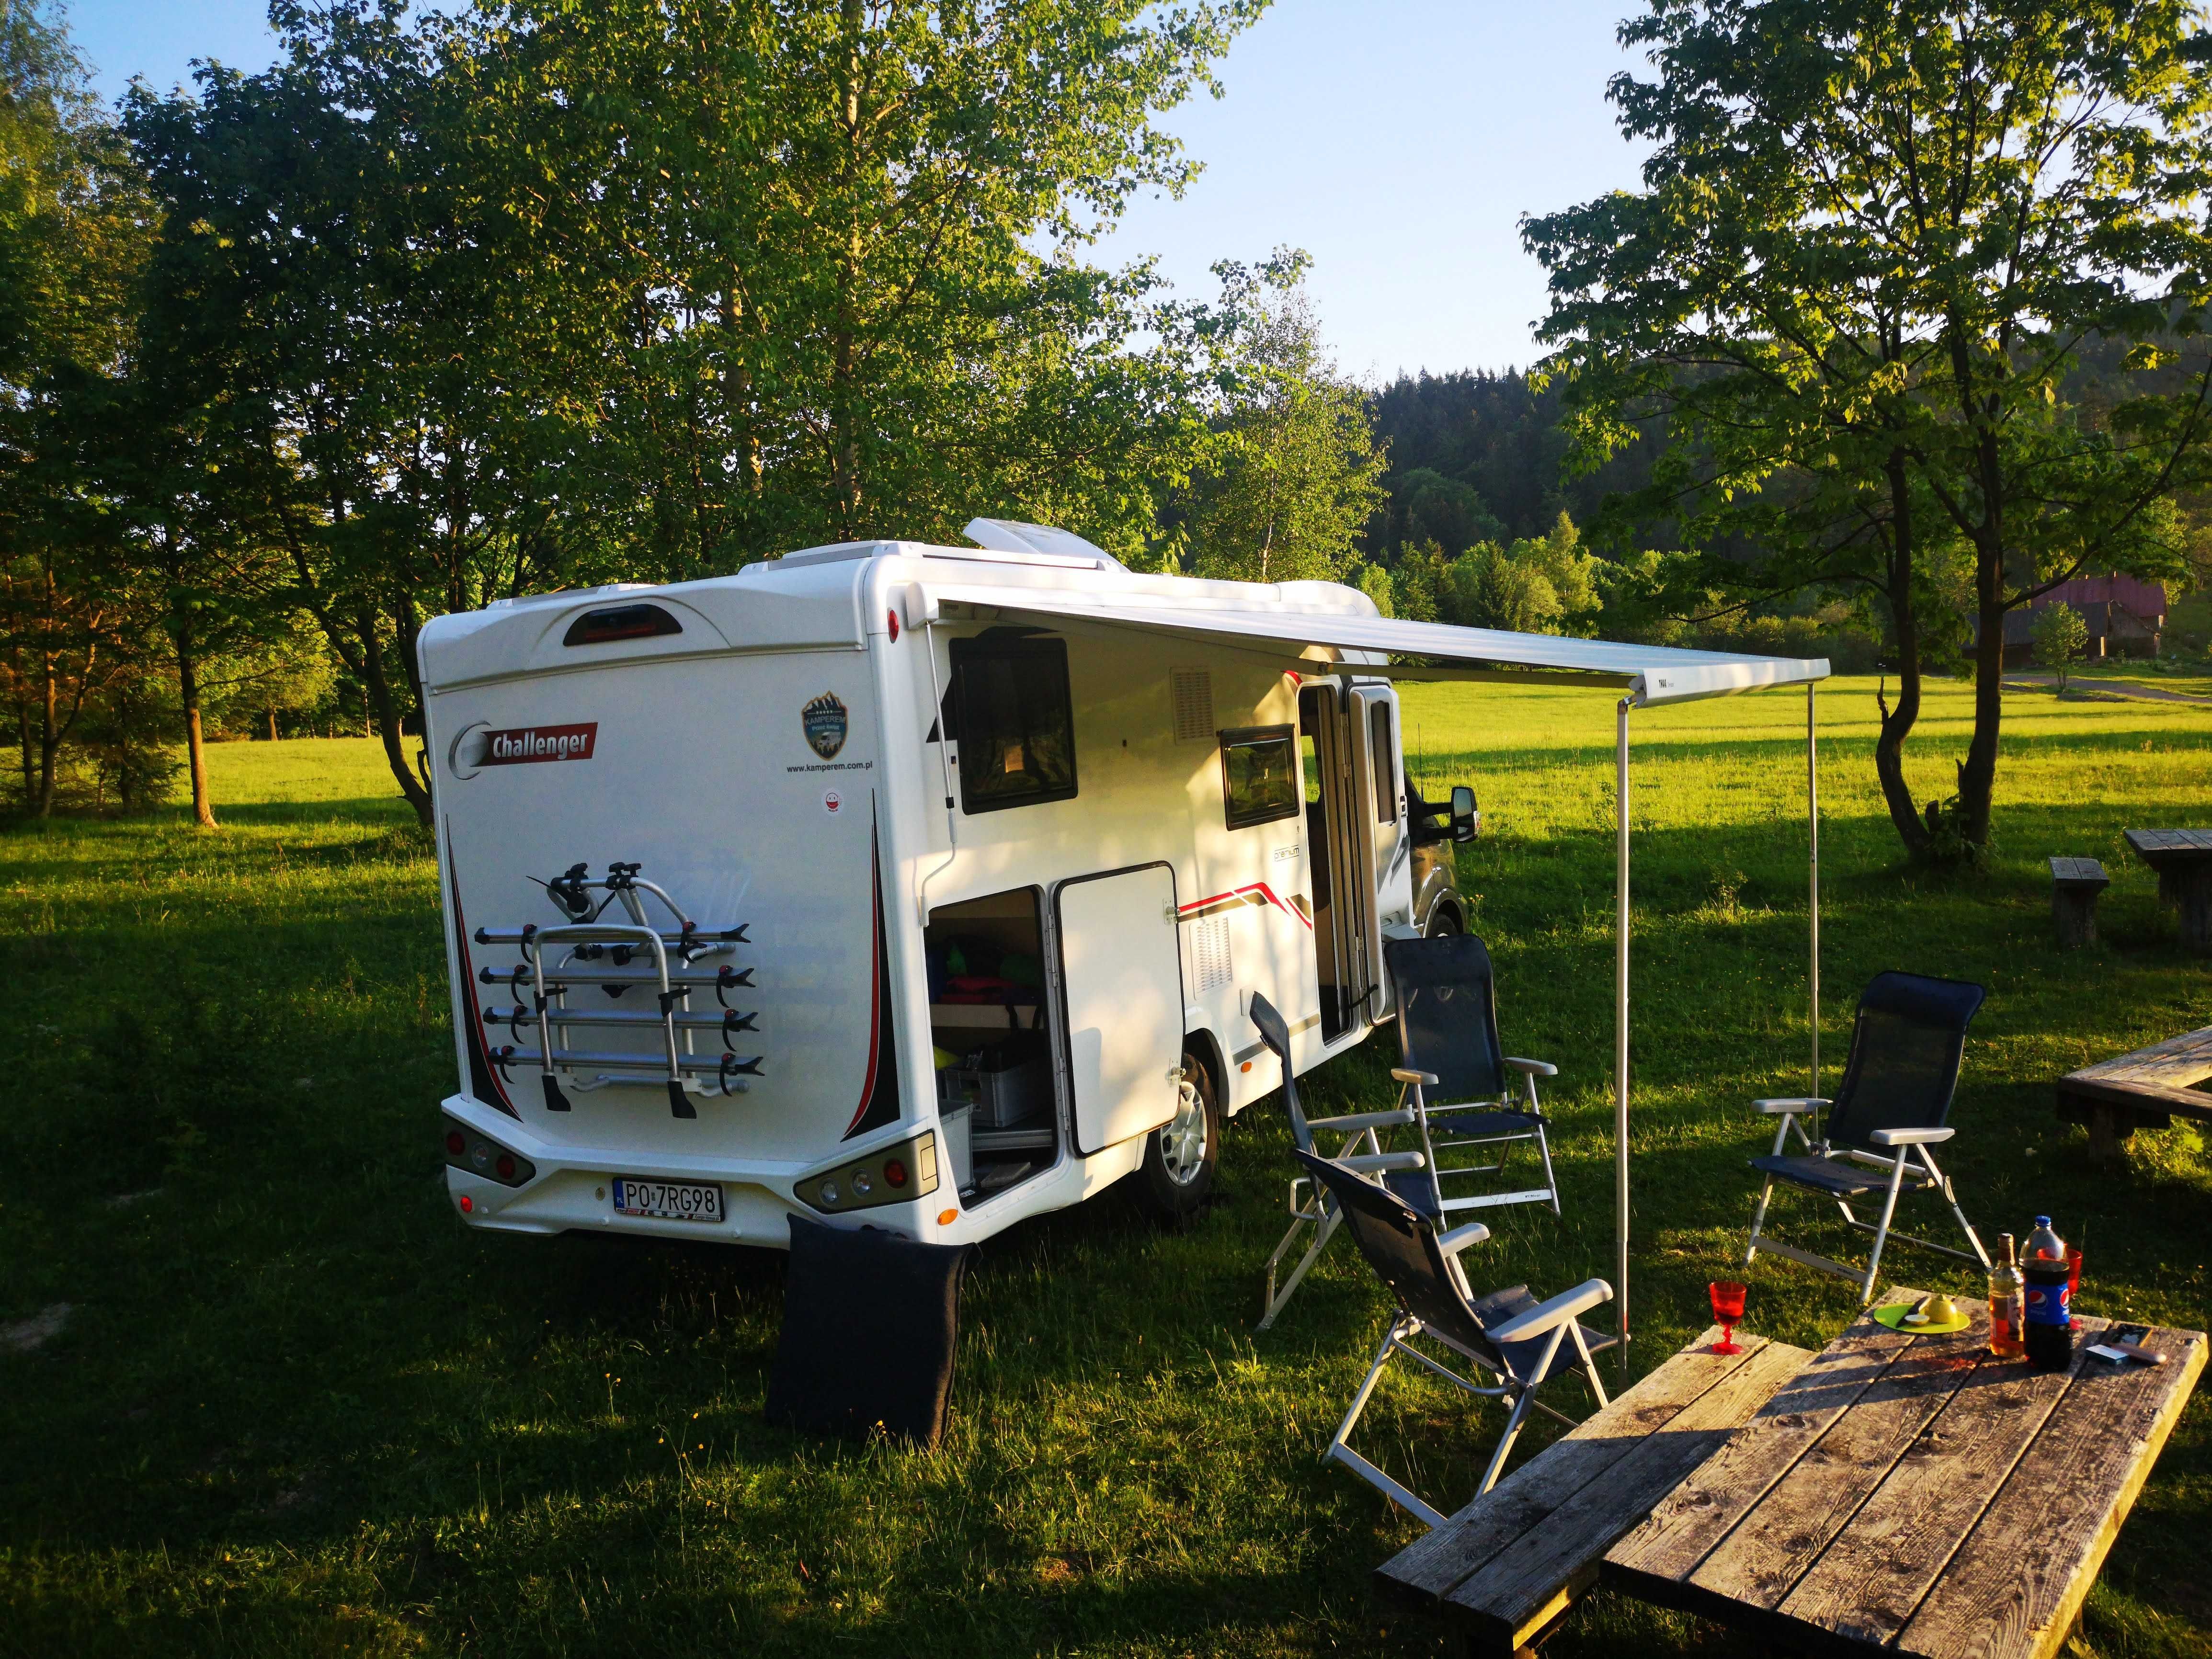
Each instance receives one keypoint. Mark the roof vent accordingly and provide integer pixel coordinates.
(1011, 536)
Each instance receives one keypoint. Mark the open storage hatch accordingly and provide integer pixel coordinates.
(993, 1045)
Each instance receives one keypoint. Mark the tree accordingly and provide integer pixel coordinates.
(2060, 637)
(1876, 247)
(1291, 476)
(72, 239)
(826, 256)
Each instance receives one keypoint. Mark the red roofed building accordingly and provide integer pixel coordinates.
(2126, 616)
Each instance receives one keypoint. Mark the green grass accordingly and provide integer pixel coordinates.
(298, 1409)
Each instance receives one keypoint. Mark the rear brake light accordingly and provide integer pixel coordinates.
(895, 1172)
(621, 622)
(456, 1143)
(506, 1166)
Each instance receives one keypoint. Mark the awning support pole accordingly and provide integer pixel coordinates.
(1813, 879)
(1620, 1031)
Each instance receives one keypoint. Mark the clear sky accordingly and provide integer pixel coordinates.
(1396, 141)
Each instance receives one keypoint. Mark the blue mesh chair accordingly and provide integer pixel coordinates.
(1457, 1078)
(1314, 1208)
(1508, 1334)
(1906, 1047)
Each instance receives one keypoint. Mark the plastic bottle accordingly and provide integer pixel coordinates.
(2047, 1332)
(2007, 1290)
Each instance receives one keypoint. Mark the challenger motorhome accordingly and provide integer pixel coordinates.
(918, 887)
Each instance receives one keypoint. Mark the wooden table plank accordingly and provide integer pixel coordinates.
(1873, 1576)
(1434, 1565)
(1683, 1526)
(2176, 1062)
(1526, 1585)
(1760, 1561)
(2152, 844)
(2013, 1586)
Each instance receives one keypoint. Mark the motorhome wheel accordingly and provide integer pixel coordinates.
(1179, 1158)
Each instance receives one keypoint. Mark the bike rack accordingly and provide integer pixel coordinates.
(586, 938)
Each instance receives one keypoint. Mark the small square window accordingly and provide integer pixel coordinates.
(1260, 775)
(1015, 723)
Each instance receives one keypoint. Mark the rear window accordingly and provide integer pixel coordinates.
(1013, 720)
(1259, 775)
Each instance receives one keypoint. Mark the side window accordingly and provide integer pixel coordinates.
(1014, 721)
(1386, 769)
(1259, 775)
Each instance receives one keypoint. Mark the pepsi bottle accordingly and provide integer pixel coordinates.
(2047, 1328)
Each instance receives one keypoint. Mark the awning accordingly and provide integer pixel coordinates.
(1651, 674)
(1318, 614)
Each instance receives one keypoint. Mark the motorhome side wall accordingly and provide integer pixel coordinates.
(1150, 787)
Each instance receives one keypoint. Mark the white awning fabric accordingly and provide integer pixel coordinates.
(1651, 675)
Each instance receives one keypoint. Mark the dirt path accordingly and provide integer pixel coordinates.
(2121, 691)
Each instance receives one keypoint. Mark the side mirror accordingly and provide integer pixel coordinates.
(1466, 819)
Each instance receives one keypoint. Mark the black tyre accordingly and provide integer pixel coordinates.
(1443, 922)
(1180, 1157)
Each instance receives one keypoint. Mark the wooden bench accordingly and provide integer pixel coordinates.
(2183, 859)
(2139, 1091)
(2075, 884)
(1507, 1567)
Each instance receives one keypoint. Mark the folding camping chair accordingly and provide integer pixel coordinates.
(1897, 1083)
(1509, 1334)
(1317, 1209)
(1455, 1073)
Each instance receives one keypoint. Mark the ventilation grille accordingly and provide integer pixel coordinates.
(1209, 950)
(1192, 690)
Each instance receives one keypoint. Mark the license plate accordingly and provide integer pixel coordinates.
(667, 1201)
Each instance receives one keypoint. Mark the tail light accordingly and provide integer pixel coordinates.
(897, 1173)
(467, 1149)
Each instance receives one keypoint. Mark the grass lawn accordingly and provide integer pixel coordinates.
(295, 1408)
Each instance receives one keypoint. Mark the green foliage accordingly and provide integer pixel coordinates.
(1858, 370)
(1374, 580)
(1289, 473)
(2060, 637)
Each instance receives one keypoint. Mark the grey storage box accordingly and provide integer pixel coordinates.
(952, 1124)
(1007, 1082)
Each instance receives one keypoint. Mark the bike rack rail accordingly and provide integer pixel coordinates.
(588, 939)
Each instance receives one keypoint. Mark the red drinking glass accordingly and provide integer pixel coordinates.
(2073, 1283)
(1727, 1309)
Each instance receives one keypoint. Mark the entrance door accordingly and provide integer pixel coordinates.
(1120, 974)
(1385, 851)
(1334, 861)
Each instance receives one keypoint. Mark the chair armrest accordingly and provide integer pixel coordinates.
(1358, 1120)
(1369, 1163)
(1533, 1067)
(1427, 1079)
(1565, 1306)
(1459, 1238)
(1910, 1137)
(1794, 1103)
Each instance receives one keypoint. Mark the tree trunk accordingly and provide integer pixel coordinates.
(378, 684)
(272, 725)
(1897, 725)
(188, 693)
(50, 740)
(1977, 772)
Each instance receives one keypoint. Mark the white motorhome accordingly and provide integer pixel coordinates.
(922, 887)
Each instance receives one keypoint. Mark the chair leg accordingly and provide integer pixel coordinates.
(1758, 1220)
(1589, 1366)
(1403, 1327)
(1881, 1228)
(1951, 1196)
(1544, 1147)
(1324, 1229)
(1521, 1401)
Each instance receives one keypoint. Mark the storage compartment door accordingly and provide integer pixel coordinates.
(1120, 974)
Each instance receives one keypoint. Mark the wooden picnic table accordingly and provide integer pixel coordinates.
(2183, 859)
(1914, 1495)
(2139, 1091)
(1507, 1567)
